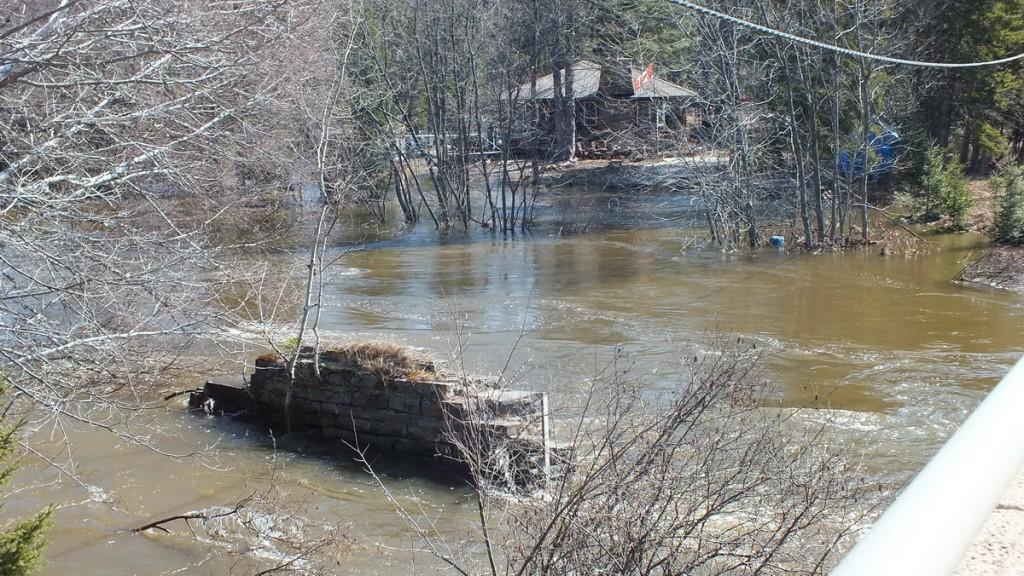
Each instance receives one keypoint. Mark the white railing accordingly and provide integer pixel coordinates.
(931, 524)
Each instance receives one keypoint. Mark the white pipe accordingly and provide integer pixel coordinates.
(933, 522)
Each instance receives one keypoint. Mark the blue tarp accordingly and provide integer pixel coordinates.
(885, 143)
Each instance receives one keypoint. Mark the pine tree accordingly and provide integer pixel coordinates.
(1009, 221)
(21, 544)
(942, 190)
(979, 107)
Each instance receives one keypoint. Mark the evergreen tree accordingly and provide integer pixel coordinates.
(942, 190)
(21, 544)
(978, 108)
(1009, 222)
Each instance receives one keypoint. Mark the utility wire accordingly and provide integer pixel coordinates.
(847, 51)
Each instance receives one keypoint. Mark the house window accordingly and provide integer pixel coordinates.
(588, 113)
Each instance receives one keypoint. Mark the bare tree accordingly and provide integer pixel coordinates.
(709, 481)
(786, 114)
(119, 165)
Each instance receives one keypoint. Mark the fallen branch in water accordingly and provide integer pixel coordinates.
(895, 221)
(203, 515)
(180, 393)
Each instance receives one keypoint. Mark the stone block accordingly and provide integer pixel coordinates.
(427, 422)
(413, 387)
(377, 399)
(330, 395)
(196, 399)
(345, 419)
(455, 408)
(305, 406)
(414, 446)
(258, 379)
(506, 427)
(512, 402)
(304, 394)
(376, 442)
(440, 390)
(431, 407)
(309, 395)
(350, 399)
(396, 401)
(425, 433)
(336, 376)
(361, 425)
(268, 386)
(322, 419)
(263, 381)
(395, 387)
(335, 433)
(343, 396)
(405, 402)
(392, 425)
(306, 374)
(230, 394)
(271, 405)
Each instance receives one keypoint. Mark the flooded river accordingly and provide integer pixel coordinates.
(897, 354)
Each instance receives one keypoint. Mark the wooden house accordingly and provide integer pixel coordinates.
(618, 112)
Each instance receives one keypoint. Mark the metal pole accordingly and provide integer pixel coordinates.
(933, 522)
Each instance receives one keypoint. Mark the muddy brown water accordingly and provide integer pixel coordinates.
(897, 354)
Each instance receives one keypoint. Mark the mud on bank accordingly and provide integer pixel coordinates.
(1002, 268)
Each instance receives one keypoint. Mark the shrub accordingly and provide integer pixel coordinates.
(1009, 220)
(953, 197)
(389, 360)
(21, 544)
(706, 482)
(931, 182)
(991, 142)
(943, 190)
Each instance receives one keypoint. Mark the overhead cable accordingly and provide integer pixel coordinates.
(846, 51)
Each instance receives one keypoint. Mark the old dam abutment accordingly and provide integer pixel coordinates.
(382, 399)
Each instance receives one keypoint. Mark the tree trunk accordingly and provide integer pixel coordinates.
(836, 179)
(796, 144)
(866, 120)
(815, 150)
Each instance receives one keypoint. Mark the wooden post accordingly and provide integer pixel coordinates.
(546, 431)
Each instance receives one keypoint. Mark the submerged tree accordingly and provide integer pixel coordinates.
(787, 114)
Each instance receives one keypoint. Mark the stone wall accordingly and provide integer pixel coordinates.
(385, 414)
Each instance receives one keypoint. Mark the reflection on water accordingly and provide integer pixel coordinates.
(898, 353)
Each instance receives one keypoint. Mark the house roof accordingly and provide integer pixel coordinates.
(658, 88)
(587, 76)
(586, 80)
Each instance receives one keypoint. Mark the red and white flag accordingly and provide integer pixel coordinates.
(646, 76)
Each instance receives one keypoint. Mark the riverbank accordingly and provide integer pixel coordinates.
(1002, 268)
(625, 174)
